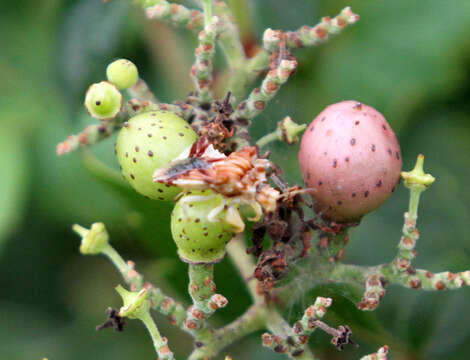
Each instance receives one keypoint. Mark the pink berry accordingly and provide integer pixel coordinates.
(350, 158)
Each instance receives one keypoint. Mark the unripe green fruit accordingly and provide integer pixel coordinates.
(103, 100)
(122, 73)
(147, 142)
(200, 240)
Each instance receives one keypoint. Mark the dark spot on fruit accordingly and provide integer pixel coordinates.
(204, 228)
(115, 152)
(137, 149)
(164, 137)
(366, 194)
(353, 194)
(335, 163)
(389, 152)
(98, 103)
(372, 147)
(150, 153)
(160, 198)
(308, 175)
(211, 250)
(160, 190)
(325, 153)
(153, 124)
(379, 183)
(339, 202)
(191, 205)
(357, 106)
(180, 134)
(120, 167)
(323, 118)
(311, 128)
(126, 124)
(197, 220)
(132, 177)
(134, 160)
(153, 114)
(206, 233)
(193, 250)
(220, 236)
(384, 127)
(346, 159)
(397, 155)
(179, 219)
(393, 189)
(357, 123)
(166, 185)
(353, 142)
(127, 154)
(149, 135)
(160, 127)
(186, 127)
(320, 183)
(139, 129)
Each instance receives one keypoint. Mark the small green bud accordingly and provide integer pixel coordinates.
(103, 100)
(122, 73)
(135, 303)
(93, 240)
(288, 131)
(416, 178)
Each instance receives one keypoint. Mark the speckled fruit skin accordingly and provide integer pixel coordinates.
(199, 240)
(350, 158)
(148, 141)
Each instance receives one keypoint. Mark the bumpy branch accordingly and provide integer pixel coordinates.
(295, 344)
(175, 14)
(141, 92)
(201, 71)
(381, 354)
(91, 135)
(202, 291)
(310, 36)
(282, 69)
(95, 241)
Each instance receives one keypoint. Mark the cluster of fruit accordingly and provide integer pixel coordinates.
(349, 158)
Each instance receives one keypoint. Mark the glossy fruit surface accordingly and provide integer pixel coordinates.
(148, 141)
(103, 100)
(200, 240)
(350, 157)
(122, 73)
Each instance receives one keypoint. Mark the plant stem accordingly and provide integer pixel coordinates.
(201, 287)
(159, 342)
(207, 6)
(252, 320)
(266, 139)
(245, 266)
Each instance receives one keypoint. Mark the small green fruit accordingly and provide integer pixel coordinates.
(103, 100)
(199, 227)
(147, 142)
(122, 73)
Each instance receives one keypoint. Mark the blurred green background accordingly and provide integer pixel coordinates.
(409, 59)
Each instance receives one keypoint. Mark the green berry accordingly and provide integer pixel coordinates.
(103, 100)
(122, 73)
(147, 142)
(200, 240)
